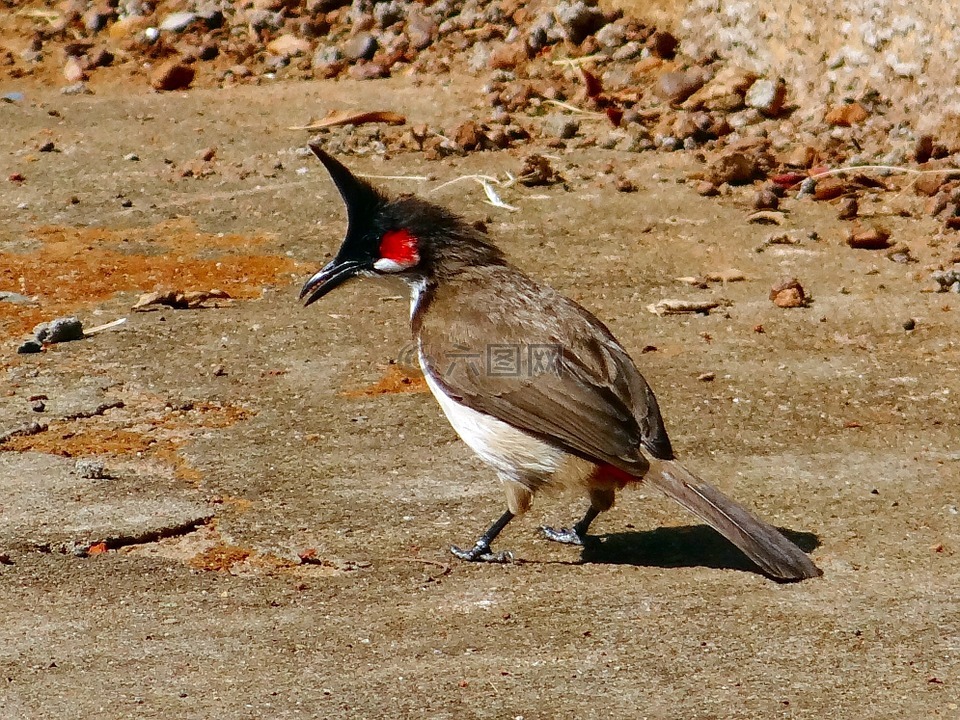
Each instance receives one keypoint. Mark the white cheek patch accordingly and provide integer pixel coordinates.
(389, 266)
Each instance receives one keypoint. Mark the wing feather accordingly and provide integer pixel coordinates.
(590, 399)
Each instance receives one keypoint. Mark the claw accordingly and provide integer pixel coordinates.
(567, 536)
(482, 553)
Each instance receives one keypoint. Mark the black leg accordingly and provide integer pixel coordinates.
(575, 535)
(481, 550)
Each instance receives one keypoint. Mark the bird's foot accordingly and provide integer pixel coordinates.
(569, 536)
(481, 553)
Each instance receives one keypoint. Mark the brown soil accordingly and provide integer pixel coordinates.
(395, 380)
(68, 268)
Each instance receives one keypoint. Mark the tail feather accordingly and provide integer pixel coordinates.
(762, 543)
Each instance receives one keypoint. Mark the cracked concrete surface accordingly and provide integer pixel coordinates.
(47, 506)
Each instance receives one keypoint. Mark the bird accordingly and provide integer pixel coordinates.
(535, 384)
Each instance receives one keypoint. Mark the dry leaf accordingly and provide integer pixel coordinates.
(177, 299)
(614, 115)
(593, 85)
(726, 276)
(766, 217)
(677, 307)
(335, 118)
(789, 179)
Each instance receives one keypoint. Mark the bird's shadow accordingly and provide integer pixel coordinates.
(675, 547)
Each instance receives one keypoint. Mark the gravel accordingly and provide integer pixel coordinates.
(711, 87)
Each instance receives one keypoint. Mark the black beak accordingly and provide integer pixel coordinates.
(334, 273)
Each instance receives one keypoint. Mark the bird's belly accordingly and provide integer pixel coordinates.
(513, 453)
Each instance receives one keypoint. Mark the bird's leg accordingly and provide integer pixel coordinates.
(480, 552)
(574, 535)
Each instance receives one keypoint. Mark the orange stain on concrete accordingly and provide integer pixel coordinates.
(220, 557)
(71, 439)
(68, 268)
(395, 380)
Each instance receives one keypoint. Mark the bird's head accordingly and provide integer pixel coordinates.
(402, 237)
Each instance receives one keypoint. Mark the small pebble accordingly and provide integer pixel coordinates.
(831, 188)
(362, 46)
(16, 298)
(30, 346)
(909, 324)
(468, 136)
(948, 280)
(677, 85)
(766, 199)
(846, 115)
(767, 96)
(788, 293)
(734, 168)
(560, 126)
(73, 70)
(60, 330)
(578, 19)
(96, 19)
(172, 75)
(420, 29)
(849, 207)
(807, 187)
(871, 238)
(90, 468)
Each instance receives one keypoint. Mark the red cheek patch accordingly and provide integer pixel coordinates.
(399, 246)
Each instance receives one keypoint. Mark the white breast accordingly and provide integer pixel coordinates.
(513, 453)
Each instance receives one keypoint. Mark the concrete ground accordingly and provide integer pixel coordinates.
(269, 535)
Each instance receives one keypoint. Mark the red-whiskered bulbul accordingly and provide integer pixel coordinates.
(536, 385)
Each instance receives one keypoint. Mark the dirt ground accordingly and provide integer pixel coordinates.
(270, 537)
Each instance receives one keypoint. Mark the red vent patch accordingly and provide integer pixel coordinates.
(400, 248)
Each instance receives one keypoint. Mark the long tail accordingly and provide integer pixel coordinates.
(762, 543)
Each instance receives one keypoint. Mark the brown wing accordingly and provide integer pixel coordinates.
(541, 363)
